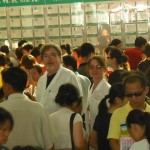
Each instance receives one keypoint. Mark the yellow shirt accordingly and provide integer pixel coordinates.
(118, 121)
(1, 68)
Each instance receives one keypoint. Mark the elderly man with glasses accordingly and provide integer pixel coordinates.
(136, 90)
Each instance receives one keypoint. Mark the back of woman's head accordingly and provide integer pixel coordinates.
(28, 61)
(118, 55)
(116, 91)
(137, 116)
(67, 95)
(115, 42)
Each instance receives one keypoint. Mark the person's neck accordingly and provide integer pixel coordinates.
(52, 71)
(96, 82)
(142, 107)
(112, 108)
(116, 67)
(84, 60)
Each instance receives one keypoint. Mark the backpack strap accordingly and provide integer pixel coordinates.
(71, 129)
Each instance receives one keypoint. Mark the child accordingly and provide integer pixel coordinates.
(138, 124)
(6, 125)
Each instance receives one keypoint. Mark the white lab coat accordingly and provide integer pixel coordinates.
(94, 98)
(85, 83)
(46, 96)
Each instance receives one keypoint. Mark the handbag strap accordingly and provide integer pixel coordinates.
(71, 129)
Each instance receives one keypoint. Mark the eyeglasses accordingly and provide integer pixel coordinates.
(95, 67)
(136, 94)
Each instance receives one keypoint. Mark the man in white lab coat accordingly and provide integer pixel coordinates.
(53, 78)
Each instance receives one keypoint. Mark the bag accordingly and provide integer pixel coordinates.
(71, 129)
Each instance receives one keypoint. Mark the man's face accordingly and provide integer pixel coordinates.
(51, 60)
(136, 94)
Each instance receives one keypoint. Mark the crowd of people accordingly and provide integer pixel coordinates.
(57, 98)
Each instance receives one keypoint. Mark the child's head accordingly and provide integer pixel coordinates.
(36, 72)
(6, 125)
(138, 124)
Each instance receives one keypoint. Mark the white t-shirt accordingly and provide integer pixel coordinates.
(141, 145)
(60, 122)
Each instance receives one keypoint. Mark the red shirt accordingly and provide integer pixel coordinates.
(134, 57)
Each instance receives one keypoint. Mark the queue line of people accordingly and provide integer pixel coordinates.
(61, 92)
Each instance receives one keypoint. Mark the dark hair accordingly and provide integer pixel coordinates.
(38, 68)
(134, 77)
(27, 148)
(140, 41)
(28, 61)
(115, 42)
(27, 46)
(116, 90)
(35, 52)
(109, 48)
(6, 116)
(120, 56)
(46, 47)
(86, 49)
(100, 59)
(4, 49)
(67, 48)
(1, 93)
(70, 61)
(19, 53)
(16, 77)
(21, 42)
(137, 116)
(147, 50)
(67, 95)
(3, 59)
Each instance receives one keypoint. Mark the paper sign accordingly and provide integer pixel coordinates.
(39, 32)
(52, 9)
(142, 16)
(90, 7)
(115, 29)
(3, 11)
(3, 34)
(92, 40)
(66, 31)
(15, 22)
(102, 6)
(26, 10)
(91, 18)
(77, 30)
(77, 8)
(64, 20)
(16, 34)
(3, 23)
(56, 41)
(53, 20)
(53, 31)
(38, 21)
(64, 8)
(91, 29)
(27, 22)
(66, 41)
(38, 10)
(130, 28)
(142, 27)
(78, 19)
(27, 33)
(14, 11)
(77, 41)
(130, 39)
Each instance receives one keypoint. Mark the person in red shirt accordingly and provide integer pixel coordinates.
(135, 54)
